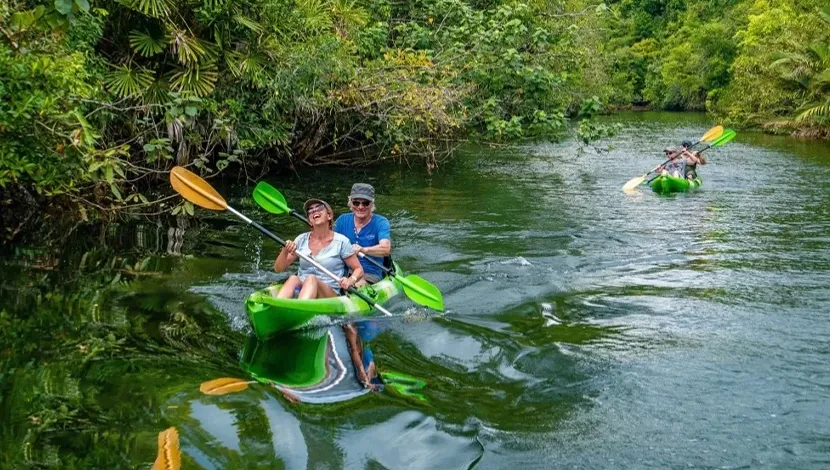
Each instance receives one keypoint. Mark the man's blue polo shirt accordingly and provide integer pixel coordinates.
(370, 235)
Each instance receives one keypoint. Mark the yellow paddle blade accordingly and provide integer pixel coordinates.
(169, 455)
(196, 190)
(223, 386)
(634, 182)
(712, 134)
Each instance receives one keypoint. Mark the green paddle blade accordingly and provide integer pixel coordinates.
(270, 199)
(728, 135)
(420, 291)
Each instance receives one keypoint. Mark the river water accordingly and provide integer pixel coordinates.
(585, 327)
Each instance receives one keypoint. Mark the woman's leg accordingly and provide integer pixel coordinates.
(314, 288)
(287, 289)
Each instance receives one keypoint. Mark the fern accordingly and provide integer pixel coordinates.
(125, 81)
(199, 79)
(145, 44)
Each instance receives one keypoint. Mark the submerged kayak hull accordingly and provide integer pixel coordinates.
(270, 316)
(665, 184)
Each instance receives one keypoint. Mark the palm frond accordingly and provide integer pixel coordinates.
(127, 81)
(248, 65)
(158, 92)
(153, 8)
(314, 14)
(190, 49)
(199, 79)
(349, 15)
(145, 44)
(815, 111)
(248, 23)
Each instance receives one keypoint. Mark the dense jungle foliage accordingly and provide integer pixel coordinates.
(749, 62)
(99, 98)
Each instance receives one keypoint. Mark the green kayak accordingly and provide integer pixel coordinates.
(671, 184)
(270, 316)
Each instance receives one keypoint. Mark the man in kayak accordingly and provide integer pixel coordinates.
(682, 161)
(368, 232)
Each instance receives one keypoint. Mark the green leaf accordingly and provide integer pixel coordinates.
(197, 79)
(108, 174)
(149, 147)
(188, 208)
(145, 44)
(22, 20)
(116, 192)
(83, 5)
(64, 7)
(125, 81)
(191, 111)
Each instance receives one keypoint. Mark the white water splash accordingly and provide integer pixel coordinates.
(547, 313)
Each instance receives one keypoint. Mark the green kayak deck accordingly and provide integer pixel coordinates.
(270, 315)
(665, 184)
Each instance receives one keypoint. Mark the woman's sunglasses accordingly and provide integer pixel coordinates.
(361, 202)
(317, 208)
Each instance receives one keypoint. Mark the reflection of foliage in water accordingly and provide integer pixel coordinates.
(90, 348)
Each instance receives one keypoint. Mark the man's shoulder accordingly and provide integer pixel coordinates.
(343, 219)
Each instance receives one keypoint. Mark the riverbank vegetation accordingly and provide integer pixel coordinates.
(99, 98)
(750, 63)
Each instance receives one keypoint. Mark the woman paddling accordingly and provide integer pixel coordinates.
(330, 249)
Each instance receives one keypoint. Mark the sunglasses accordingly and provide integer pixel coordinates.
(317, 208)
(361, 202)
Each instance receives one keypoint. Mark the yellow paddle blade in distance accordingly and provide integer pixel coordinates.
(196, 190)
(633, 183)
(712, 134)
(169, 455)
(223, 386)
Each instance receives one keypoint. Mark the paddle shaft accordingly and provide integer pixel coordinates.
(670, 159)
(299, 216)
(310, 260)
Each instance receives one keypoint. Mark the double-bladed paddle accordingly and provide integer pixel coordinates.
(199, 192)
(728, 135)
(710, 135)
(418, 289)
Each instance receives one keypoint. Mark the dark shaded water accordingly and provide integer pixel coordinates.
(586, 328)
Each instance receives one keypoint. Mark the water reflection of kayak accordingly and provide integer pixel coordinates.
(311, 366)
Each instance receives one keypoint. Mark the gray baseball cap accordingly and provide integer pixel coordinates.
(363, 191)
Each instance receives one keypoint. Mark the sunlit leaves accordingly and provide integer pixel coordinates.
(126, 81)
(145, 44)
